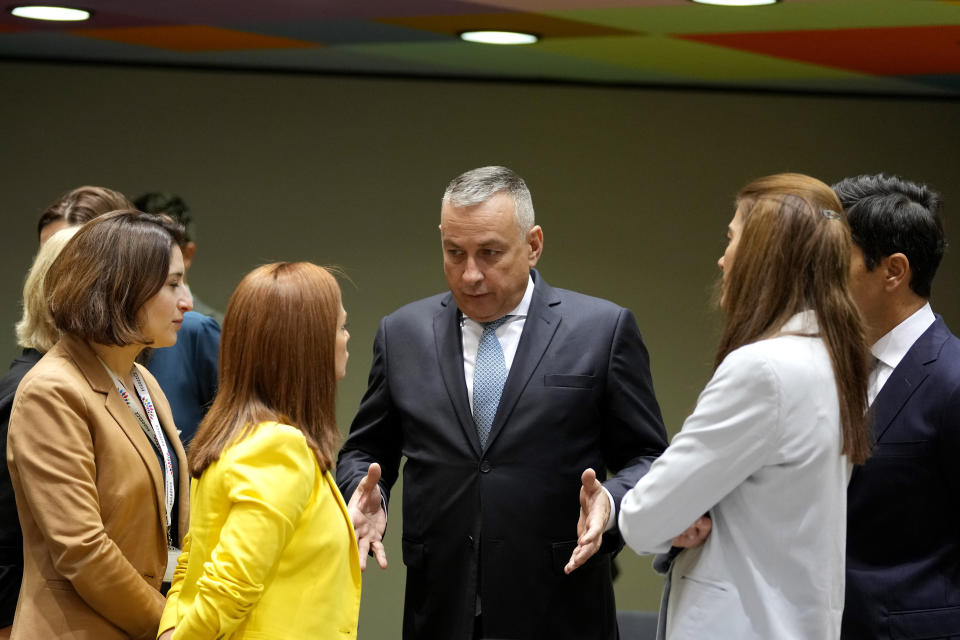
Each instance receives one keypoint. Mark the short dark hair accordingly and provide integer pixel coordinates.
(83, 204)
(170, 204)
(888, 215)
(105, 274)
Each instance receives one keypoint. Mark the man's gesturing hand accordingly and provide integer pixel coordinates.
(369, 520)
(594, 513)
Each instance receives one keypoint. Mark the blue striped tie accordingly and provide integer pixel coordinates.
(489, 376)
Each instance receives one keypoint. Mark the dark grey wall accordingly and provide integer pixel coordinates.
(632, 187)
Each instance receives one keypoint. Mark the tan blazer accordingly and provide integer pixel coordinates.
(89, 495)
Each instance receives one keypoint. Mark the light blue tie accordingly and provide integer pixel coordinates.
(489, 376)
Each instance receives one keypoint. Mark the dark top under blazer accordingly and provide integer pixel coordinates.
(903, 532)
(502, 521)
(11, 539)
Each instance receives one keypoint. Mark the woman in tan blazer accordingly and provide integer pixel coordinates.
(94, 456)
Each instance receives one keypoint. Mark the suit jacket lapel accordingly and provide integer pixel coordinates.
(538, 331)
(100, 381)
(907, 377)
(446, 331)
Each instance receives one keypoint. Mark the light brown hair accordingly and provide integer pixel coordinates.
(36, 329)
(82, 205)
(793, 255)
(277, 362)
(109, 269)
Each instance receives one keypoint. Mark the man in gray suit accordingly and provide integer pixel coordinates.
(509, 399)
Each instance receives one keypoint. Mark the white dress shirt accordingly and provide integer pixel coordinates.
(761, 453)
(893, 346)
(508, 334)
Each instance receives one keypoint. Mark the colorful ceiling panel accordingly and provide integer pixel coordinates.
(191, 38)
(546, 26)
(891, 47)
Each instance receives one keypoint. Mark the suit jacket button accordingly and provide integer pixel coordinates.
(485, 467)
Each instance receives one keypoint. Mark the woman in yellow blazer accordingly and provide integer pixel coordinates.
(271, 552)
(93, 453)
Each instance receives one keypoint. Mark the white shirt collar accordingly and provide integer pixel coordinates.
(893, 346)
(524, 307)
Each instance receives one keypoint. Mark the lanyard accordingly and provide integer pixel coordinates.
(153, 431)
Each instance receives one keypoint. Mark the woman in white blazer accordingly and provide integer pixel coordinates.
(766, 454)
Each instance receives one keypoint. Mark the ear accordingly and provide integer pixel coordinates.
(188, 251)
(896, 272)
(534, 244)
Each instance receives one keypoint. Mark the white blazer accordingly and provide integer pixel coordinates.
(761, 453)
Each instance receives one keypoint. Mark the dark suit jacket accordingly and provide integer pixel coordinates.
(11, 540)
(903, 536)
(502, 521)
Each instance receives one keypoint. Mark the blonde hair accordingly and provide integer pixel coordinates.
(36, 329)
(793, 255)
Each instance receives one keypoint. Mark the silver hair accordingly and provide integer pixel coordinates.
(479, 185)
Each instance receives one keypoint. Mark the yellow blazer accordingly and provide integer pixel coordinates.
(271, 552)
(90, 498)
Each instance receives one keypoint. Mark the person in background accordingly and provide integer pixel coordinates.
(187, 371)
(78, 206)
(92, 450)
(510, 400)
(36, 334)
(175, 207)
(903, 529)
(271, 552)
(768, 448)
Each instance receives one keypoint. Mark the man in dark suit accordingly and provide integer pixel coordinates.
(508, 398)
(903, 535)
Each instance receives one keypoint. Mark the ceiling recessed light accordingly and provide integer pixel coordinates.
(499, 37)
(736, 3)
(61, 14)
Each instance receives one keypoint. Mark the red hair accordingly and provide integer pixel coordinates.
(277, 362)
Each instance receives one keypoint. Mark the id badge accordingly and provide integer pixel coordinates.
(172, 555)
